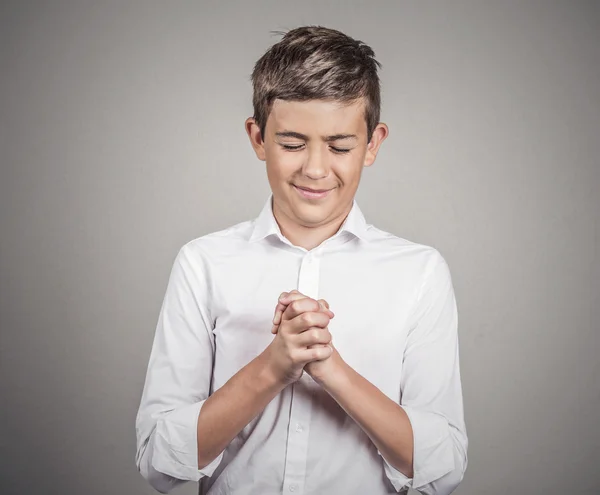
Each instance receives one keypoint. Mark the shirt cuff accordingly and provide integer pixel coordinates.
(433, 454)
(176, 445)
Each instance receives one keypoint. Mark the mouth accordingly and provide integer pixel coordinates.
(312, 193)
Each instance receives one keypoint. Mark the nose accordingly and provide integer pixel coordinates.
(315, 167)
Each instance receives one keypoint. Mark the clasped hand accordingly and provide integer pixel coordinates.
(293, 305)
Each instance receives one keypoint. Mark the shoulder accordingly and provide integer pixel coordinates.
(424, 258)
(209, 247)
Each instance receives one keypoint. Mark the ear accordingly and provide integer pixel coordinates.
(379, 134)
(256, 140)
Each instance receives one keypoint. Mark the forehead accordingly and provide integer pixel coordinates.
(319, 116)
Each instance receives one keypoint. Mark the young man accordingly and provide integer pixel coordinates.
(357, 392)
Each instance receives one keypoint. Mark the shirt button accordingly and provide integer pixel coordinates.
(299, 427)
(293, 487)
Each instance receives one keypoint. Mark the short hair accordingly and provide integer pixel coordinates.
(315, 62)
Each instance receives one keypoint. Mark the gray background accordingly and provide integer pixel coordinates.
(122, 137)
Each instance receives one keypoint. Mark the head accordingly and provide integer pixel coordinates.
(316, 121)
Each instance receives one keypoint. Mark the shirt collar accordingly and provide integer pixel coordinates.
(265, 224)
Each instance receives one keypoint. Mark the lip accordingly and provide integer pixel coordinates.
(311, 195)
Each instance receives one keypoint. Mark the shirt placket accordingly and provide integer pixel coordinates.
(302, 390)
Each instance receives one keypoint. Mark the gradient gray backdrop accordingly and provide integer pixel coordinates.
(122, 138)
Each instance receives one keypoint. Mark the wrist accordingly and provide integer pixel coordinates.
(269, 373)
(337, 379)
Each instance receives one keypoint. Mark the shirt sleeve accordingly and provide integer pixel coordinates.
(178, 379)
(431, 388)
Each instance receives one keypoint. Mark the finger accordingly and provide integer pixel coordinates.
(298, 305)
(275, 327)
(320, 345)
(280, 309)
(278, 312)
(314, 336)
(291, 296)
(325, 306)
(307, 319)
(282, 303)
(286, 297)
(315, 353)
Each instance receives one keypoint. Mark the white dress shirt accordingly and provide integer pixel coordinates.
(395, 323)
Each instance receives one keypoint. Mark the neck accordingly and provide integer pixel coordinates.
(305, 236)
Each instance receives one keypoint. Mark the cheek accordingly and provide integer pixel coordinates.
(349, 169)
(283, 165)
(277, 175)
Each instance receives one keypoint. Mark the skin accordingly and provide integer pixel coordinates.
(247, 393)
(315, 163)
(316, 369)
(302, 340)
(381, 418)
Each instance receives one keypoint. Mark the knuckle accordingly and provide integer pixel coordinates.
(295, 357)
(320, 321)
(306, 318)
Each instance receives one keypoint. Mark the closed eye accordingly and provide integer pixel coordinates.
(340, 150)
(295, 148)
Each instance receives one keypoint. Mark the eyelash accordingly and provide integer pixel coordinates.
(295, 148)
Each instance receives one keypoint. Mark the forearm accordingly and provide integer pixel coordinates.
(382, 419)
(229, 409)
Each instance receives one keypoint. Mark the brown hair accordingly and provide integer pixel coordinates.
(315, 62)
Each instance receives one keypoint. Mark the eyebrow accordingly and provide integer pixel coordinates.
(327, 139)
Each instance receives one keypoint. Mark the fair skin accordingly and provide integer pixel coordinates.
(307, 159)
(303, 145)
(382, 419)
(247, 393)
